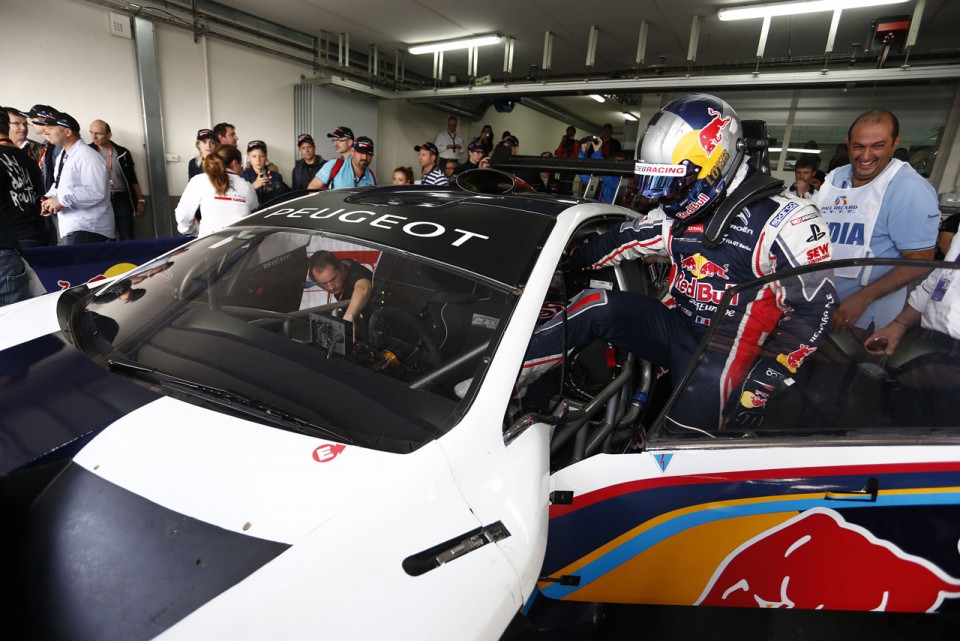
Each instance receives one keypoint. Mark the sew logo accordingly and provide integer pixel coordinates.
(327, 452)
(818, 254)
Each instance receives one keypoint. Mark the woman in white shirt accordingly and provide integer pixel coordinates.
(221, 194)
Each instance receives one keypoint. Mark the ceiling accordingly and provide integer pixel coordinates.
(794, 43)
(398, 24)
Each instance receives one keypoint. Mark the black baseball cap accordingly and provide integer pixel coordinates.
(429, 146)
(341, 132)
(67, 122)
(510, 141)
(256, 144)
(43, 115)
(475, 146)
(364, 145)
(302, 138)
(206, 134)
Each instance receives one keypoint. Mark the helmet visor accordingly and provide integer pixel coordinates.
(665, 181)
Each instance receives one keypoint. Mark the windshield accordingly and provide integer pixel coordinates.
(254, 322)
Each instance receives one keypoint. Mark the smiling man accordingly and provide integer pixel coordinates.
(876, 206)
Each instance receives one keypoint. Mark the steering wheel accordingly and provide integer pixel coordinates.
(394, 329)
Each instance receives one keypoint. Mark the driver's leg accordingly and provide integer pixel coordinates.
(640, 324)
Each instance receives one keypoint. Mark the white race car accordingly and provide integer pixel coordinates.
(206, 449)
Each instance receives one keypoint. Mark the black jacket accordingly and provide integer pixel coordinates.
(126, 170)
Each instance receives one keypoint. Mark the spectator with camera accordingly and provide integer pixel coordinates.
(609, 146)
(264, 176)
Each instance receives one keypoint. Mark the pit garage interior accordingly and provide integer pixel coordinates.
(158, 70)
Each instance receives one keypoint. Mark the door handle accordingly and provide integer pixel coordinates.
(869, 493)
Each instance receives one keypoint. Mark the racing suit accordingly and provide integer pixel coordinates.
(769, 330)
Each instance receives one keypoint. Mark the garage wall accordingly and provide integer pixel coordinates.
(250, 90)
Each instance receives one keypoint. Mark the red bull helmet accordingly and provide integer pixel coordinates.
(689, 154)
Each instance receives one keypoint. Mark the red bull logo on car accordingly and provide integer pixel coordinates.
(817, 560)
(709, 136)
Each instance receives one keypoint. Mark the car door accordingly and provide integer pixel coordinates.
(847, 497)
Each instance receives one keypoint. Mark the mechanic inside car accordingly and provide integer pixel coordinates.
(721, 223)
(344, 279)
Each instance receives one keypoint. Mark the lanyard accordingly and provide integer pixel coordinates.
(63, 157)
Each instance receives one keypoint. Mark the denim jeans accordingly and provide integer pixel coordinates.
(14, 282)
(122, 214)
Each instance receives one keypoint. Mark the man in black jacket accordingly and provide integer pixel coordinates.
(125, 196)
(309, 164)
(17, 192)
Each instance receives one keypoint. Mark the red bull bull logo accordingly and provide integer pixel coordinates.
(710, 135)
(702, 267)
(817, 560)
(753, 400)
(794, 359)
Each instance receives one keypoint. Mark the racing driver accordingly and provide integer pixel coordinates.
(722, 224)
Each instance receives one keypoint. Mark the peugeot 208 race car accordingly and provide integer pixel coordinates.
(205, 448)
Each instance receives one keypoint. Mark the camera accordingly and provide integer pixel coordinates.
(587, 139)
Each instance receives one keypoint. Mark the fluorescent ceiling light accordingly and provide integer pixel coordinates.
(629, 116)
(462, 43)
(598, 97)
(795, 150)
(795, 8)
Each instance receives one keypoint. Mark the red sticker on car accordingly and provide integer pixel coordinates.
(327, 452)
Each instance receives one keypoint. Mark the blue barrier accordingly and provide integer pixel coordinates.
(63, 267)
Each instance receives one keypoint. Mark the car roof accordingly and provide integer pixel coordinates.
(496, 236)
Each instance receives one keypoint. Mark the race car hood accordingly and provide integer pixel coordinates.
(229, 472)
(175, 520)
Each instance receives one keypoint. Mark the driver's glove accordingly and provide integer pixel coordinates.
(745, 407)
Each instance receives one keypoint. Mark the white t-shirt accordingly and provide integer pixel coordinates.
(217, 211)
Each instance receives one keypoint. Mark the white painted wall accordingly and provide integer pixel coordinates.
(250, 90)
(61, 53)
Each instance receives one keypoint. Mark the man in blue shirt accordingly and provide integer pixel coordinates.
(353, 170)
(876, 206)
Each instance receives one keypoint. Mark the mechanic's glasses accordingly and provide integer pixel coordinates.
(664, 186)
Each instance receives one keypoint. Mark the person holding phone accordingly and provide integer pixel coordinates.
(933, 305)
(265, 178)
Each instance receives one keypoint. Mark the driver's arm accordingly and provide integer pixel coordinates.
(362, 291)
(643, 236)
